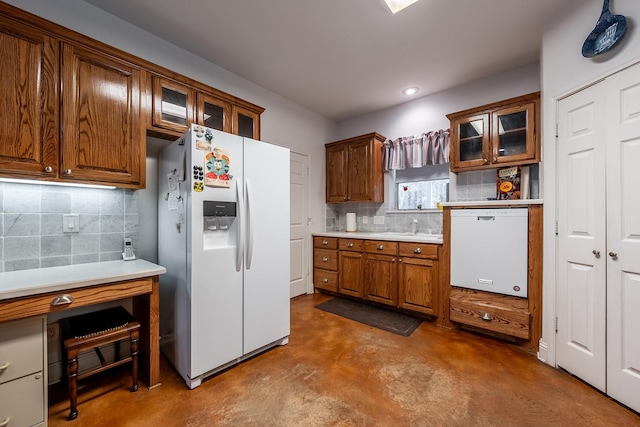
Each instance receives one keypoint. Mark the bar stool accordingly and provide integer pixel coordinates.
(90, 331)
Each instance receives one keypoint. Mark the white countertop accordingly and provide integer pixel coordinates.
(15, 284)
(495, 203)
(391, 236)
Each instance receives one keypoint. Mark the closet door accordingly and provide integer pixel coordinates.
(582, 251)
(623, 236)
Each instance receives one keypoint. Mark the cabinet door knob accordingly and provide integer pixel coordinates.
(596, 253)
(380, 247)
(48, 169)
(349, 245)
(67, 171)
(613, 255)
(417, 251)
(495, 159)
(485, 161)
(486, 317)
(325, 259)
(393, 260)
(325, 280)
(324, 242)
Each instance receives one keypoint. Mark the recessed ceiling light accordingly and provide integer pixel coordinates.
(410, 91)
(397, 5)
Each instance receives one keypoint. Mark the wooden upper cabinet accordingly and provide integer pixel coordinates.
(354, 169)
(213, 112)
(245, 122)
(501, 134)
(29, 75)
(173, 105)
(103, 136)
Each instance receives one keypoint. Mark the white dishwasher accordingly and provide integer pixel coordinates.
(489, 250)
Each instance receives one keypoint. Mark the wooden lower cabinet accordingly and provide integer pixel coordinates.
(325, 263)
(351, 270)
(504, 314)
(397, 274)
(381, 279)
(417, 284)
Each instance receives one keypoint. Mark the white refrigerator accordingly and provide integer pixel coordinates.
(223, 236)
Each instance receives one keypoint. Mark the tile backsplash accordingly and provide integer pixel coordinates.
(427, 221)
(31, 221)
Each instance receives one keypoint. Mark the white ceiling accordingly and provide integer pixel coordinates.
(344, 58)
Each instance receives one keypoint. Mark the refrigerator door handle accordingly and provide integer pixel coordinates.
(249, 226)
(239, 239)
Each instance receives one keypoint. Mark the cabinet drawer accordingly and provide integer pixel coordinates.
(325, 242)
(356, 245)
(325, 259)
(498, 313)
(418, 250)
(383, 247)
(21, 348)
(42, 304)
(325, 279)
(23, 401)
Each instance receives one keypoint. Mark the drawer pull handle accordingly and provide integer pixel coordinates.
(325, 259)
(417, 251)
(380, 247)
(349, 245)
(486, 317)
(61, 300)
(5, 366)
(324, 242)
(5, 422)
(325, 280)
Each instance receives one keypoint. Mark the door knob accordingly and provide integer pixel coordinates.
(67, 171)
(417, 251)
(613, 255)
(325, 259)
(48, 169)
(486, 317)
(596, 253)
(349, 245)
(380, 247)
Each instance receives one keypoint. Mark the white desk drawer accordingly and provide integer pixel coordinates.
(21, 348)
(23, 401)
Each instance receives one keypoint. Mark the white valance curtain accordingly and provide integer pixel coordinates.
(431, 148)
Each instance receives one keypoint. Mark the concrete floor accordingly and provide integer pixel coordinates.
(336, 372)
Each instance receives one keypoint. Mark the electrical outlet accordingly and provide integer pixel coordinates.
(53, 331)
(365, 219)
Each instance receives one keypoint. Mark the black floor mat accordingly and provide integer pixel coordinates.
(387, 320)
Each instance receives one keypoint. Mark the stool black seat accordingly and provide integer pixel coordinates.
(90, 331)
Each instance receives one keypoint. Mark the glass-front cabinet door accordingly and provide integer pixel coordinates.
(245, 122)
(470, 141)
(513, 134)
(213, 112)
(504, 133)
(172, 105)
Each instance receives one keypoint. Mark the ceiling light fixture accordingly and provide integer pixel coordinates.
(397, 5)
(410, 91)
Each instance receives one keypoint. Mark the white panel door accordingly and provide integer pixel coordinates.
(623, 237)
(581, 289)
(266, 275)
(298, 221)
